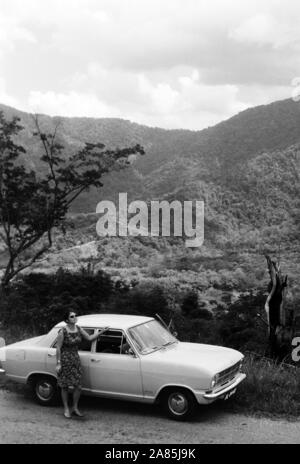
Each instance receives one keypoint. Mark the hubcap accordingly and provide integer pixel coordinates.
(178, 403)
(44, 390)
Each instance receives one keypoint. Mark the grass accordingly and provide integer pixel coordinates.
(270, 388)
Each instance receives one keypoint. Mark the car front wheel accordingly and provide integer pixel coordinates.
(44, 390)
(179, 404)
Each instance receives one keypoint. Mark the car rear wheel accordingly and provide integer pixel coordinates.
(44, 390)
(179, 404)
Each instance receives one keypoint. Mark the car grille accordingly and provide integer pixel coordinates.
(228, 374)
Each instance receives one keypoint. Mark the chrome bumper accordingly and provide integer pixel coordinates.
(220, 393)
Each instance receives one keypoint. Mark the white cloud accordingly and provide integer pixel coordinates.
(161, 98)
(170, 63)
(265, 29)
(181, 102)
(177, 99)
(189, 103)
(69, 104)
(11, 31)
(5, 98)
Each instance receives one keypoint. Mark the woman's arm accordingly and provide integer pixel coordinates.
(59, 343)
(91, 338)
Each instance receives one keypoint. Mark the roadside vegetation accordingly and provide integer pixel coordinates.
(36, 302)
(269, 389)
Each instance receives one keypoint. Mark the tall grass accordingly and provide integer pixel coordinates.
(269, 388)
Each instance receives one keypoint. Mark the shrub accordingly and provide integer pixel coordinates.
(38, 301)
(269, 387)
(143, 300)
(189, 305)
(239, 327)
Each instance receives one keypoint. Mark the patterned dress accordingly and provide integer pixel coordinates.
(70, 374)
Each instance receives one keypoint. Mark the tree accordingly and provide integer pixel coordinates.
(32, 205)
(241, 325)
(280, 323)
(189, 305)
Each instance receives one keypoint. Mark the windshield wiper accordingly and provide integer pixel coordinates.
(155, 348)
(169, 343)
(148, 350)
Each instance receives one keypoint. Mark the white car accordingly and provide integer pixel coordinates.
(154, 367)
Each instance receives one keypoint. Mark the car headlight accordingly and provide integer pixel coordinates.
(214, 381)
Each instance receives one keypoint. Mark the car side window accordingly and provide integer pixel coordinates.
(85, 345)
(110, 342)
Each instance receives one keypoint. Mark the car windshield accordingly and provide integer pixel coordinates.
(151, 336)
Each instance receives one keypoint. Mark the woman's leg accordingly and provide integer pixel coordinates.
(76, 396)
(64, 396)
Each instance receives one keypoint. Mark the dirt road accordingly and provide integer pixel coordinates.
(23, 421)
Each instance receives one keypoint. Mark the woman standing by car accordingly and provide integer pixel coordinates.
(68, 368)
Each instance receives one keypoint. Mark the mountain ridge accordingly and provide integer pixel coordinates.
(264, 127)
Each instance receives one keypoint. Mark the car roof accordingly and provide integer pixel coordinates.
(115, 321)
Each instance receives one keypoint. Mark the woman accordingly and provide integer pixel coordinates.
(68, 368)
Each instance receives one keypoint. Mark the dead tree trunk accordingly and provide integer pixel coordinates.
(279, 322)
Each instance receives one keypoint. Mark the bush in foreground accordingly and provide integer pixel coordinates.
(37, 302)
(269, 388)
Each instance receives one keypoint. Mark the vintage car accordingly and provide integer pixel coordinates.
(154, 367)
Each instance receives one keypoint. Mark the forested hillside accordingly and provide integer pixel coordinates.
(246, 170)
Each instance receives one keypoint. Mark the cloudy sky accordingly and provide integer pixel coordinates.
(166, 63)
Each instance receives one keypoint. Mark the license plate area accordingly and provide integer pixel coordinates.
(229, 394)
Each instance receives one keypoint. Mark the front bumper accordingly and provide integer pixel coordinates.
(221, 393)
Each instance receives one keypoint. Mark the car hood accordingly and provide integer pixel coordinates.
(211, 358)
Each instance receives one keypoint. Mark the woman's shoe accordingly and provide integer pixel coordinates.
(77, 413)
(67, 414)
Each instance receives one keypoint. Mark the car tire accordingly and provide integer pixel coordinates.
(45, 390)
(179, 404)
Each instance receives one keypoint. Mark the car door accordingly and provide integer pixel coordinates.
(84, 351)
(112, 372)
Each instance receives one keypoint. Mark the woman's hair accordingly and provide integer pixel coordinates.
(67, 314)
